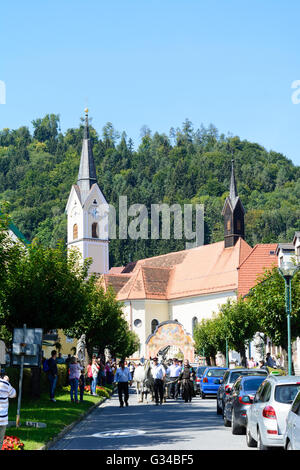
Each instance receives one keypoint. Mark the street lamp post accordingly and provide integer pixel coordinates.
(227, 358)
(287, 271)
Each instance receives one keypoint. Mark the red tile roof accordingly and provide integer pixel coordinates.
(206, 269)
(261, 257)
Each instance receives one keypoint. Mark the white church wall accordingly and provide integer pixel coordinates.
(201, 307)
(135, 312)
(155, 309)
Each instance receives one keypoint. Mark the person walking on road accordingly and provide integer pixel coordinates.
(122, 377)
(186, 377)
(6, 392)
(158, 373)
(173, 371)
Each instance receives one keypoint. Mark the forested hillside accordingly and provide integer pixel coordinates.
(188, 165)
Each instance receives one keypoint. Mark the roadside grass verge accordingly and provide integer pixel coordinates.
(55, 415)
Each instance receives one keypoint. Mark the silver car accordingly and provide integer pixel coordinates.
(266, 417)
(292, 431)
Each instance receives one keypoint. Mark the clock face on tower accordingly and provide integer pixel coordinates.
(94, 211)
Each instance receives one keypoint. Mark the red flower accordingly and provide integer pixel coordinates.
(12, 443)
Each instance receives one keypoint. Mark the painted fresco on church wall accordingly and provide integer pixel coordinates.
(170, 334)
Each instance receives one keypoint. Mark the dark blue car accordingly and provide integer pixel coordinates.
(210, 381)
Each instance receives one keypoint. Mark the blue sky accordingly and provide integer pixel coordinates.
(155, 63)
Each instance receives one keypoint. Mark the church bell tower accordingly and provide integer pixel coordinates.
(233, 213)
(87, 211)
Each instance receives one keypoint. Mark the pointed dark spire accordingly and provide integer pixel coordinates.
(87, 170)
(233, 212)
(232, 190)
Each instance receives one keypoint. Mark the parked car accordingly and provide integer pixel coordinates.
(199, 373)
(292, 431)
(210, 381)
(239, 399)
(229, 378)
(266, 417)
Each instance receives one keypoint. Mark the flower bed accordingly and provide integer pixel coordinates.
(12, 443)
(101, 391)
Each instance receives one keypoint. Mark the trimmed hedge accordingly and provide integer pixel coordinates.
(14, 377)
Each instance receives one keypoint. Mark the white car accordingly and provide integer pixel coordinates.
(292, 432)
(266, 417)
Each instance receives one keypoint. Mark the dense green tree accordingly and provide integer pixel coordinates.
(103, 323)
(209, 338)
(238, 323)
(267, 300)
(43, 287)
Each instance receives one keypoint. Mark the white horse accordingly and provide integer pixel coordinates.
(143, 381)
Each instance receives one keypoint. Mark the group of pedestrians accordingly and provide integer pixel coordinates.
(100, 373)
(181, 381)
(269, 362)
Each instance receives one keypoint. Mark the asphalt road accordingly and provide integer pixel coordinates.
(174, 425)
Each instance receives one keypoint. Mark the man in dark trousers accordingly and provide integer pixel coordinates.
(158, 373)
(122, 377)
(52, 374)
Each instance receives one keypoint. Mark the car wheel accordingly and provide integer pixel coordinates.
(249, 439)
(236, 429)
(260, 444)
(227, 423)
(219, 409)
(202, 395)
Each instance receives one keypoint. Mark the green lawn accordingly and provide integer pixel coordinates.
(56, 415)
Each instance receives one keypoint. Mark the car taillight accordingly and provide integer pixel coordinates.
(245, 400)
(269, 412)
(205, 380)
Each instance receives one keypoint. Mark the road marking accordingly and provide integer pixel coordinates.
(118, 433)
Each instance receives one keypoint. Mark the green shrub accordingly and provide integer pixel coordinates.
(14, 377)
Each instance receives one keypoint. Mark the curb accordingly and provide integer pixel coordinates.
(68, 428)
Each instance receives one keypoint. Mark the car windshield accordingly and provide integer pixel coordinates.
(286, 393)
(235, 375)
(253, 384)
(200, 371)
(216, 372)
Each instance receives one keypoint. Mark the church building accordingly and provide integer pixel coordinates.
(185, 286)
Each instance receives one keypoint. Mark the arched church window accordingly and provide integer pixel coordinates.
(194, 323)
(154, 324)
(95, 230)
(75, 232)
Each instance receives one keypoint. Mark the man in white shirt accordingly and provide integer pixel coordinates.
(6, 392)
(158, 373)
(173, 371)
(122, 377)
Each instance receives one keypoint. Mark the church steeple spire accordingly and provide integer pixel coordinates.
(233, 212)
(87, 170)
(233, 191)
